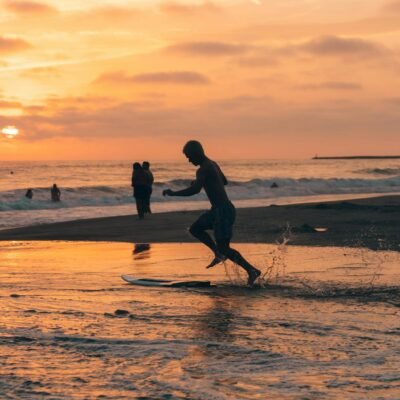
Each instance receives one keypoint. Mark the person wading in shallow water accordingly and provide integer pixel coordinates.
(221, 217)
(55, 193)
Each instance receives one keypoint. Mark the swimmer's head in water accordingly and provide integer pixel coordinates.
(194, 152)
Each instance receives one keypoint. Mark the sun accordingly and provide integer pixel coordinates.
(10, 131)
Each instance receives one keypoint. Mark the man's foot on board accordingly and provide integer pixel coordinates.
(253, 275)
(217, 259)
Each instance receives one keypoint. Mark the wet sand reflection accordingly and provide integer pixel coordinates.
(326, 324)
(141, 251)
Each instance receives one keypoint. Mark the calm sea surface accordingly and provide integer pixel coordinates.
(102, 188)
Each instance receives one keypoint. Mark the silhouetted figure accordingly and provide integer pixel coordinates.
(29, 194)
(55, 193)
(274, 185)
(140, 182)
(150, 176)
(221, 217)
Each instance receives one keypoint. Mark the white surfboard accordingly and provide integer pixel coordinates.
(164, 283)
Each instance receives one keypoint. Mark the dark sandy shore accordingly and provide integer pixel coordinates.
(373, 223)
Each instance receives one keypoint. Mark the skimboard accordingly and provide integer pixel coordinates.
(164, 283)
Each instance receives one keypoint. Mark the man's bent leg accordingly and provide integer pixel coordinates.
(198, 230)
(204, 237)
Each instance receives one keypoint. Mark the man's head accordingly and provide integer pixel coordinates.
(194, 152)
(145, 165)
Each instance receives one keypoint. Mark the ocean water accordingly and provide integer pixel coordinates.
(324, 324)
(102, 188)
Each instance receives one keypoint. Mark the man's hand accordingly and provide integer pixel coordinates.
(167, 192)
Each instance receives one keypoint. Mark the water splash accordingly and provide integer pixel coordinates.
(274, 268)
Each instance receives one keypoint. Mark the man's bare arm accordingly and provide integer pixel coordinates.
(190, 191)
(195, 188)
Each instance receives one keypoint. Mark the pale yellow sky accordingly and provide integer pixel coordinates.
(136, 79)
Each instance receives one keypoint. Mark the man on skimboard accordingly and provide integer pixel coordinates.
(221, 217)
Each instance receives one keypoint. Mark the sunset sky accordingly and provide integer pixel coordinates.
(118, 79)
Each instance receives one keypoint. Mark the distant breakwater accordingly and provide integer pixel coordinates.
(355, 157)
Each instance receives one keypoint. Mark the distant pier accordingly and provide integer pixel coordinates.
(355, 158)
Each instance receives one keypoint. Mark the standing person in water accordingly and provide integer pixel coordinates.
(221, 217)
(150, 176)
(139, 184)
(55, 193)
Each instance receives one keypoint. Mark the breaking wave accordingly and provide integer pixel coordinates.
(103, 195)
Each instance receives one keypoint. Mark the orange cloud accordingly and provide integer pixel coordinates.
(234, 118)
(208, 48)
(9, 104)
(261, 56)
(334, 45)
(178, 77)
(13, 45)
(332, 85)
(195, 54)
(322, 46)
(29, 7)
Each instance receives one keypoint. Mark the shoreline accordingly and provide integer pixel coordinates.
(367, 222)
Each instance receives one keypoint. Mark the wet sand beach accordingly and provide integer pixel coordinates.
(372, 223)
(323, 326)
